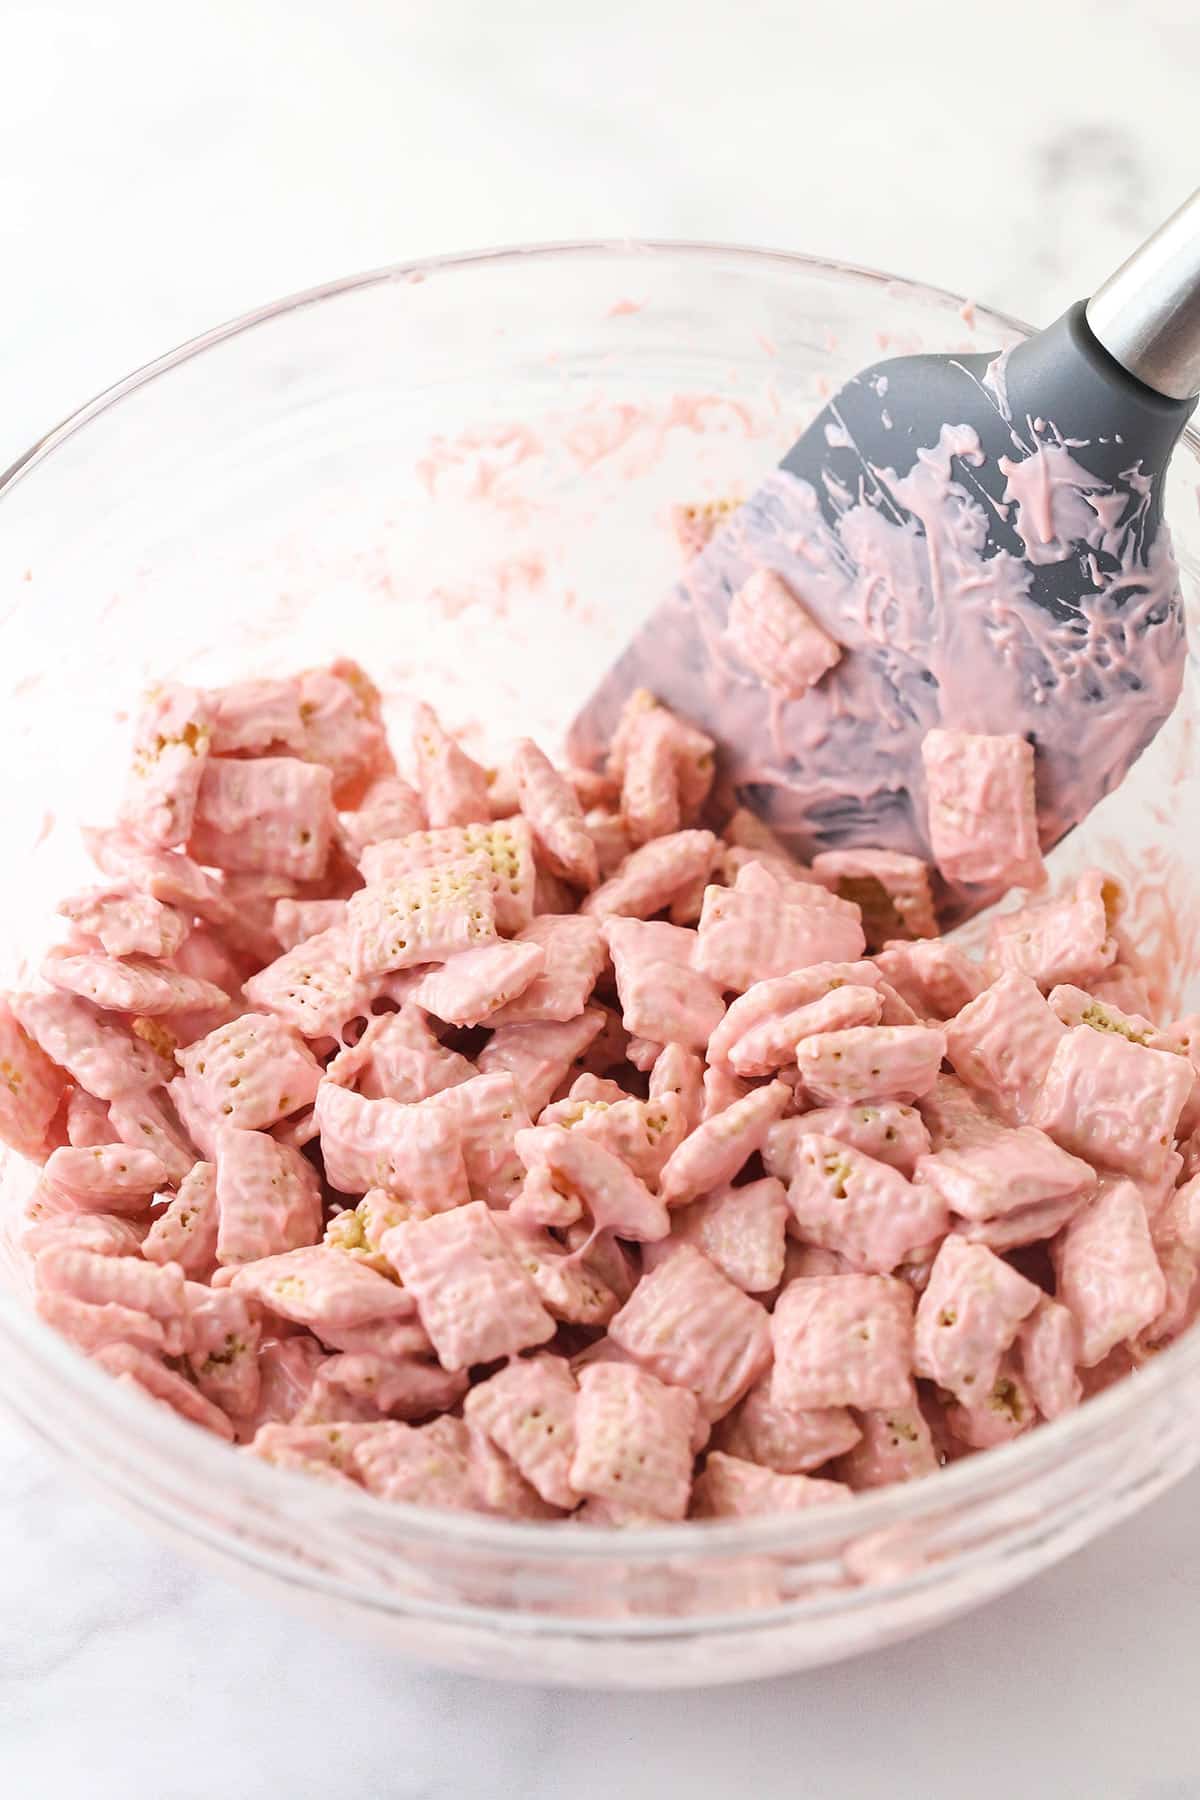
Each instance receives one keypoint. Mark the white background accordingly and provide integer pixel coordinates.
(162, 168)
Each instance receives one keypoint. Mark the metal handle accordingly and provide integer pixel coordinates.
(1147, 315)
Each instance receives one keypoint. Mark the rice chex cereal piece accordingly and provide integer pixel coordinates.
(932, 976)
(891, 891)
(1048, 1344)
(982, 808)
(124, 924)
(268, 1197)
(865, 1210)
(170, 750)
(895, 1445)
(679, 1072)
(474, 1299)
(1113, 1102)
(775, 635)
(871, 1062)
(740, 1230)
(528, 1411)
(104, 1178)
(454, 788)
(390, 808)
(251, 1073)
(888, 1131)
(475, 984)
(616, 1200)
(728, 1488)
(224, 1331)
(146, 1372)
(295, 921)
(313, 987)
(688, 1324)
(747, 937)
(186, 1233)
(1002, 1170)
(540, 1057)
(427, 916)
(792, 1440)
(414, 1151)
(270, 816)
(255, 715)
(968, 1317)
(843, 1340)
(550, 804)
(1067, 939)
(133, 984)
(1109, 1275)
(426, 1465)
(651, 876)
(633, 1441)
(574, 955)
(507, 844)
(149, 1122)
(32, 1088)
(323, 1289)
(1003, 1043)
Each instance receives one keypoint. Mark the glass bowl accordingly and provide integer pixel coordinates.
(461, 472)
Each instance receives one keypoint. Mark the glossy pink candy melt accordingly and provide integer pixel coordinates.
(582, 1163)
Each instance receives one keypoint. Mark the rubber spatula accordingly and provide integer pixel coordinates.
(981, 536)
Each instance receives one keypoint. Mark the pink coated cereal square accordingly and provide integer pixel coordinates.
(271, 816)
(323, 1449)
(149, 1122)
(31, 1088)
(103, 1058)
(1108, 1274)
(871, 1062)
(454, 787)
(728, 1488)
(784, 994)
(842, 1340)
(124, 923)
(287, 1368)
(633, 1440)
(773, 633)
(968, 1317)
(643, 1133)
(982, 808)
(87, 1120)
(507, 845)
(895, 1445)
(147, 1373)
(933, 976)
(1066, 939)
(255, 715)
(488, 1112)
(694, 764)
(567, 1285)
(792, 1440)
(170, 751)
(398, 1057)
(841, 1200)
(1025, 1225)
(635, 943)
(747, 937)
(499, 1487)
(688, 1324)
(741, 1231)
(1002, 1170)
(92, 1327)
(551, 806)
(124, 1281)
(252, 1072)
(650, 798)
(166, 875)
(426, 1465)
(341, 720)
(224, 1332)
(313, 988)
(539, 1057)
(1048, 1345)
(891, 891)
(322, 1289)
(650, 877)
(718, 1148)
(889, 1131)
(1003, 1043)
(475, 984)
(680, 1072)
(615, 1198)
(427, 916)
(295, 921)
(668, 1004)
(772, 1044)
(1113, 1102)
(1006, 1411)
(414, 1151)
(1074, 1006)
(131, 984)
(104, 1178)
(268, 1197)
(722, 1089)
(390, 808)
(574, 956)
(186, 1233)
(528, 1411)
(474, 1299)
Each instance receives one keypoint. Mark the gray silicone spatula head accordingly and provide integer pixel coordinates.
(982, 536)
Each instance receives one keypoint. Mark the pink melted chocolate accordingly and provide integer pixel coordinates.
(934, 632)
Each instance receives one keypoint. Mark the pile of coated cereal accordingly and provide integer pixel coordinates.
(512, 1140)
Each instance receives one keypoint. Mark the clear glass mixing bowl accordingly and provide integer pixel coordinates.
(461, 473)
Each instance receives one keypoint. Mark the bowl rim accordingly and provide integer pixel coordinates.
(992, 1473)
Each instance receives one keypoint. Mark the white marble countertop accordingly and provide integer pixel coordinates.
(161, 170)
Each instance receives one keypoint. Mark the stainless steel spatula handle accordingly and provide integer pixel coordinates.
(1147, 315)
